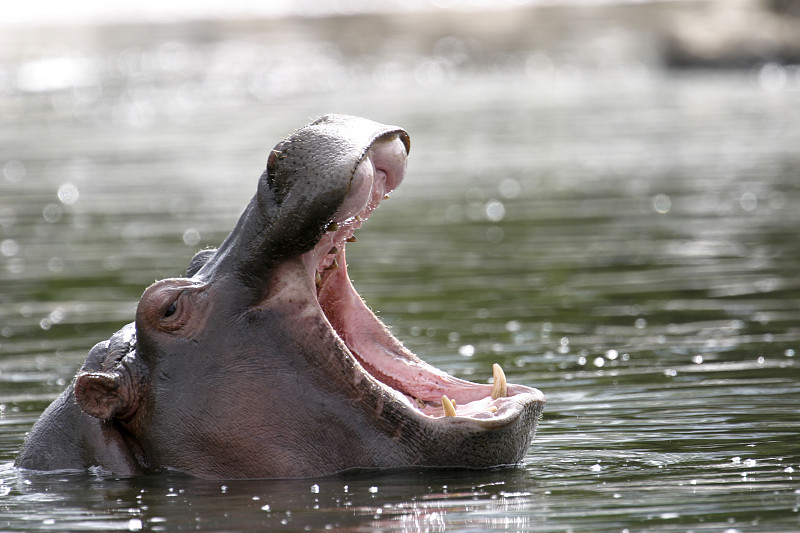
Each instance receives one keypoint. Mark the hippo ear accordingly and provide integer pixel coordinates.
(105, 395)
(199, 261)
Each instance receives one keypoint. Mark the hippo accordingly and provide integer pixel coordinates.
(264, 362)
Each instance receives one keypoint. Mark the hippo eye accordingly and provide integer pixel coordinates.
(170, 310)
(174, 315)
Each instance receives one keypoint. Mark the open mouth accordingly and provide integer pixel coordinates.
(423, 388)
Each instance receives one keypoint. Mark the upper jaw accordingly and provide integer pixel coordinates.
(306, 186)
(377, 174)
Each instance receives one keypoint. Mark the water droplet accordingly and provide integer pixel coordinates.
(495, 210)
(596, 468)
(509, 188)
(467, 350)
(789, 353)
(56, 315)
(68, 193)
(55, 264)
(748, 201)
(191, 237)
(599, 362)
(14, 171)
(640, 323)
(373, 490)
(514, 326)
(697, 359)
(9, 248)
(662, 204)
(611, 354)
(52, 213)
(315, 488)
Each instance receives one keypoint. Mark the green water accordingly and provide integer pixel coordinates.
(627, 243)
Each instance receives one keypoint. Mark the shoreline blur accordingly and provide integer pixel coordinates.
(702, 33)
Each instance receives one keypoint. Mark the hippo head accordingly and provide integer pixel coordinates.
(264, 361)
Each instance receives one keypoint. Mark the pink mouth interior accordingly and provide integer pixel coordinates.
(383, 356)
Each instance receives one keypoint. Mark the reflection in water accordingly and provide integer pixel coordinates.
(622, 237)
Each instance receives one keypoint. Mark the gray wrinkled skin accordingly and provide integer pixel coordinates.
(235, 372)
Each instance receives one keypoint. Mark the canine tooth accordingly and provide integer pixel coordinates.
(420, 403)
(334, 265)
(352, 239)
(333, 226)
(318, 278)
(386, 196)
(499, 390)
(358, 218)
(333, 250)
(493, 409)
(449, 408)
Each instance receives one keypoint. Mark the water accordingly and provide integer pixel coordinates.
(622, 237)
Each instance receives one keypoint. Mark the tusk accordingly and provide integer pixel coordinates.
(500, 389)
(449, 409)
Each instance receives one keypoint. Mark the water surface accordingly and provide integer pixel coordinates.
(623, 238)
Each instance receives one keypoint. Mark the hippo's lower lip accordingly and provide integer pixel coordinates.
(425, 390)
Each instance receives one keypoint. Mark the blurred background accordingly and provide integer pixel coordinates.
(601, 196)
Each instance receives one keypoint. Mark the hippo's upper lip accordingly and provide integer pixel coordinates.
(423, 388)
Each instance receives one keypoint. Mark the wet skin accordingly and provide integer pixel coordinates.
(264, 362)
